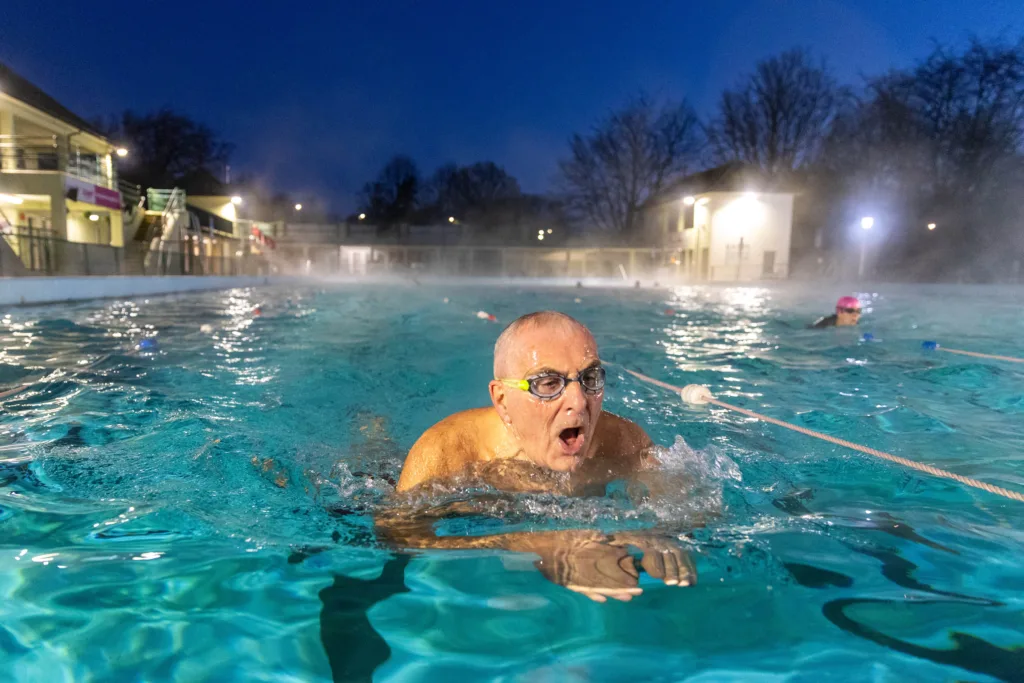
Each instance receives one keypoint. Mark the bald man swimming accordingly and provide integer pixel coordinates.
(545, 409)
(544, 431)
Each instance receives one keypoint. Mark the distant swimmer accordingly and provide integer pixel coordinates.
(545, 431)
(847, 314)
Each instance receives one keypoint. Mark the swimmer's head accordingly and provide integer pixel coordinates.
(556, 433)
(847, 311)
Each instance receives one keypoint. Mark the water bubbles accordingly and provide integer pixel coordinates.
(689, 486)
(686, 488)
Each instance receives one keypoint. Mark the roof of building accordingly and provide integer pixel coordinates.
(730, 177)
(25, 91)
(208, 218)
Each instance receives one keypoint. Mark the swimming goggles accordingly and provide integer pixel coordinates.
(850, 310)
(550, 385)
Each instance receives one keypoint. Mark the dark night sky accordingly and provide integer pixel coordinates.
(318, 95)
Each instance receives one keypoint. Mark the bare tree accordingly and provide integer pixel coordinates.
(971, 106)
(942, 142)
(168, 149)
(392, 197)
(627, 157)
(461, 190)
(778, 116)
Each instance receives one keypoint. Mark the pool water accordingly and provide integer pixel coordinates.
(200, 507)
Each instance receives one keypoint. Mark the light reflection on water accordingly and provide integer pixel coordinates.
(178, 495)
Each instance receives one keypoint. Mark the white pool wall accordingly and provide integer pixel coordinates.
(20, 291)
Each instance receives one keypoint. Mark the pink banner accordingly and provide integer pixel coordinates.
(108, 198)
(93, 194)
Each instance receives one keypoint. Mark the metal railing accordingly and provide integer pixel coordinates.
(184, 263)
(131, 194)
(166, 201)
(42, 253)
(158, 200)
(25, 153)
(31, 153)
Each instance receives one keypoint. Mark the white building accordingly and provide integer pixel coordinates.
(58, 175)
(728, 224)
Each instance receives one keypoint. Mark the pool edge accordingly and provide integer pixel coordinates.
(32, 291)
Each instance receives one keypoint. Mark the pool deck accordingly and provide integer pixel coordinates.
(24, 291)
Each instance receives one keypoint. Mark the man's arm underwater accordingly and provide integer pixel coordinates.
(596, 564)
(585, 561)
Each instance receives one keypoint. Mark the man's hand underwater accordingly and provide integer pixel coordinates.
(601, 567)
(663, 557)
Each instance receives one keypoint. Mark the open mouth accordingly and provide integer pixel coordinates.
(571, 440)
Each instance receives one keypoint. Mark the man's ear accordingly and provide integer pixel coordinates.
(498, 396)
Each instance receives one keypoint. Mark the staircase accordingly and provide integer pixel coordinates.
(161, 224)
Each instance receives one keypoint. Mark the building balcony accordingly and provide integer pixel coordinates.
(21, 154)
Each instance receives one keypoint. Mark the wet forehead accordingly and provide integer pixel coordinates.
(567, 349)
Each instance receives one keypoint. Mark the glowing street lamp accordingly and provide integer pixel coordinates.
(298, 207)
(362, 216)
(931, 226)
(451, 219)
(549, 231)
(866, 224)
(121, 152)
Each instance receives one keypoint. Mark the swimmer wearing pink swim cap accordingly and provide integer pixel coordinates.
(847, 314)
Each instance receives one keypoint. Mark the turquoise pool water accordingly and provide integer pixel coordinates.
(200, 509)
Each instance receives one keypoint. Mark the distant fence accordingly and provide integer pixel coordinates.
(473, 261)
(42, 253)
(664, 265)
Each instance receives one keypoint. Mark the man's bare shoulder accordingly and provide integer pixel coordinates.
(447, 447)
(621, 434)
(622, 444)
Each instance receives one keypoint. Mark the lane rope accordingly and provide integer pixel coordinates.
(975, 354)
(697, 395)
(936, 346)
